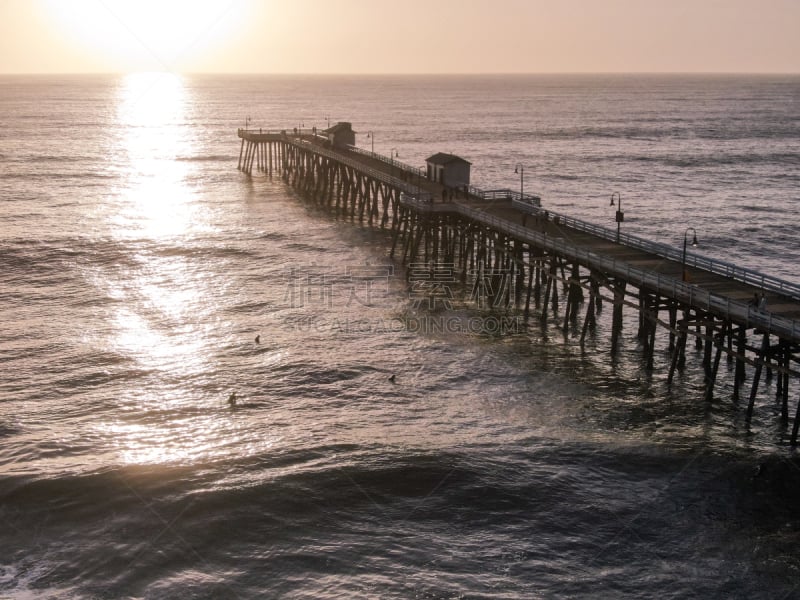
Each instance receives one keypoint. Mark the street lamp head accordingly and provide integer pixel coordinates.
(684, 275)
(694, 236)
(618, 197)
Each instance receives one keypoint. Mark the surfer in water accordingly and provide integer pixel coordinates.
(232, 400)
(258, 339)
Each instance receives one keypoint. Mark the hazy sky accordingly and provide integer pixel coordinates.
(400, 36)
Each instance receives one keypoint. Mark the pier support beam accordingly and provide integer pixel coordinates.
(760, 360)
(616, 318)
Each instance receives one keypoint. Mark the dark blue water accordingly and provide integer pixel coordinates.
(137, 265)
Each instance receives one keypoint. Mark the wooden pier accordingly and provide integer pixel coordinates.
(552, 266)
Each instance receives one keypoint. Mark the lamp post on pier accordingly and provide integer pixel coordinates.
(371, 136)
(683, 256)
(521, 170)
(619, 216)
(392, 154)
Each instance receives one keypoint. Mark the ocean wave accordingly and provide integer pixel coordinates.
(28, 159)
(349, 475)
(31, 258)
(273, 235)
(757, 209)
(206, 158)
(209, 250)
(689, 160)
(46, 255)
(258, 308)
(8, 430)
(659, 130)
(85, 178)
(343, 508)
(304, 247)
(321, 468)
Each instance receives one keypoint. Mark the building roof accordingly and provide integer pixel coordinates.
(340, 126)
(442, 158)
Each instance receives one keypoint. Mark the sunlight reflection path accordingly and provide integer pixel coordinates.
(153, 118)
(166, 300)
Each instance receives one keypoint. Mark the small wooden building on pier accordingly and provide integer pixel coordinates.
(341, 135)
(448, 169)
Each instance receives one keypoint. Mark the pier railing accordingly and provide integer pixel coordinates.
(685, 292)
(718, 267)
(260, 131)
(390, 161)
(403, 186)
(526, 202)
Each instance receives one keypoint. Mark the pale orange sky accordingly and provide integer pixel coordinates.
(400, 36)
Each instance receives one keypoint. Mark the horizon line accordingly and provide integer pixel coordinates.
(392, 74)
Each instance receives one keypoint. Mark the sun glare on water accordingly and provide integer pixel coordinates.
(135, 35)
(156, 200)
(163, 303)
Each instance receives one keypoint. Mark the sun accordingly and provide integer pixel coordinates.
(137, 35)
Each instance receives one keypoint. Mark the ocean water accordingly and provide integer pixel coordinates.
(137, 266)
